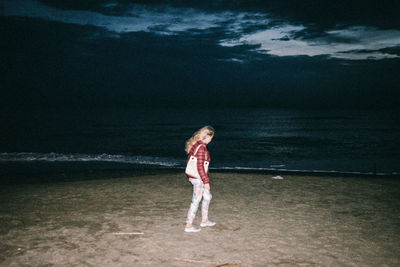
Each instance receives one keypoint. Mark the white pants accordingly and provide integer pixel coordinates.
(199, 192)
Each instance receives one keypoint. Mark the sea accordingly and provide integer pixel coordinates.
(255, 139)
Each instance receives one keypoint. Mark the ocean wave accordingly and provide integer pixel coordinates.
(237, 168)
(160, 162)
(60, 157)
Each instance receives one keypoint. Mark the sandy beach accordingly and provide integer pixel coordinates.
(139, 221)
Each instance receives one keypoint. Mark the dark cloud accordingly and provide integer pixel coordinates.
(392, 50)
(272, 35)
(324, 13)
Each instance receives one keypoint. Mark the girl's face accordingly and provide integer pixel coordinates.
(208, 139)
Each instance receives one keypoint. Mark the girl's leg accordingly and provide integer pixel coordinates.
(206, 203)
(198, 189)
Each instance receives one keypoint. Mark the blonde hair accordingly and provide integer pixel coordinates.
(199, 135)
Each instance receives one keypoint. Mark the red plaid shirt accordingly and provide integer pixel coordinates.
(201, 155)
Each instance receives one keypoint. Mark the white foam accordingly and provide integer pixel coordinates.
(60, 157)
(151, 160)
(300, 171)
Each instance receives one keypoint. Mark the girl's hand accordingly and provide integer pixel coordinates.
(207, 186)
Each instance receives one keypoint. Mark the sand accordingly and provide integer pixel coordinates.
(139, 221)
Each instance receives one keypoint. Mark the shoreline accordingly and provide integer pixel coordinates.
(31, 173)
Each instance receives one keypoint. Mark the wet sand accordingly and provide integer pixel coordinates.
(139, 221)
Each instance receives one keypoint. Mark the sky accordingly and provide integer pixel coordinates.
(270, 54)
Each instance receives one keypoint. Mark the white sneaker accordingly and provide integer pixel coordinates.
(207, 223)
(192, 229)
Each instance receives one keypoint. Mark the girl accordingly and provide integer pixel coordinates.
(201, 187)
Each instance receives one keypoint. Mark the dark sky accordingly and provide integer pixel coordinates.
(302, 54)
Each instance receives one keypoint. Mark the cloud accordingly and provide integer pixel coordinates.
(354, 43)
(139, 18)
(260, 31)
